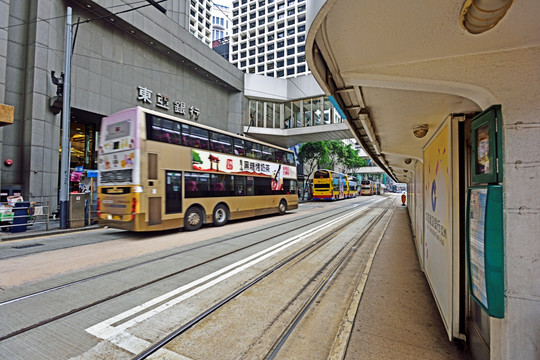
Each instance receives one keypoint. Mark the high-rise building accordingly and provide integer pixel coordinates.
(221, 15)
(200, 20)
(268, 37)
(221, 23)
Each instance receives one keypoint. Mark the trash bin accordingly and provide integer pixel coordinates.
(20, 216)
(77, 205)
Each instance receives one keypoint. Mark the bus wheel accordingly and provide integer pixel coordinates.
(221, 215)
(193, 219)
(282, 206)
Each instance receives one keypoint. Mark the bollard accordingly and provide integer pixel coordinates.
(403, 198)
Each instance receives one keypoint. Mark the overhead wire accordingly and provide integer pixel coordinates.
(88, 20)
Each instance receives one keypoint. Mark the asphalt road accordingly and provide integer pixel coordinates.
(107, 293)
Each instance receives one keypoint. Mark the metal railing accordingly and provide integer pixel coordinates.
(23, 214)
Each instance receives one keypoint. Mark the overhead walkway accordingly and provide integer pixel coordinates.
(287, 112)
(289, 137)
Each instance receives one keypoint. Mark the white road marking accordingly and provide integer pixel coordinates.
(118, 335)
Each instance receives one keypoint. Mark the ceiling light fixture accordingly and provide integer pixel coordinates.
(420, 130)
(478, 16)
(363, 115)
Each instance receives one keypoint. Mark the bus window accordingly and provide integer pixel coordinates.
(268, 153)
(239, 185)
(253, 150)
(280, 156)
(173, 192)
(221, 185)
(220, 142)
(197, 185)
(238, 146)
(200, 136)
(257, 151)
(163, 130)
(250, 186)
(290, 159)
(263, 186)
(321, 174)
(187, 139)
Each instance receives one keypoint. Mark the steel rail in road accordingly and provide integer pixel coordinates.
(311, 247)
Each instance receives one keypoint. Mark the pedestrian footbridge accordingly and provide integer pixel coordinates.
(287, 112)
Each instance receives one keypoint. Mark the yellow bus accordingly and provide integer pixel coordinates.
(352, 186)
(158, 172)
(366, 187)
(330, 185)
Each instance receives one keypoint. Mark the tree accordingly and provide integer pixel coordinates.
(352, 160)
(313, 155)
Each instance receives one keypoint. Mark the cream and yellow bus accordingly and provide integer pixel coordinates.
(159, 172)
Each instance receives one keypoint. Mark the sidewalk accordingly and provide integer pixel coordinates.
(40, 229)
(397, 316)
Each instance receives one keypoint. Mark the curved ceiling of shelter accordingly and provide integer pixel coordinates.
(393, 58)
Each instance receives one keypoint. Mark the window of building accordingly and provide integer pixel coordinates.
(301, 68)
(270, 46)
(290, 51)
(280, 44)
(290, 71)
(260, 68)
(290, 61)
(301, 48)
(290, 41)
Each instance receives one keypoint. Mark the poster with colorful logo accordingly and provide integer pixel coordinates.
(437, 221)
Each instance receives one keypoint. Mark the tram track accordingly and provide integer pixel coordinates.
(156, 280)
(329, 268)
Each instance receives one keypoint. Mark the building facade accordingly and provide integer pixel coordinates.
(123, 56)
(268, 37)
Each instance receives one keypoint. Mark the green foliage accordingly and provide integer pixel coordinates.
(327, 155)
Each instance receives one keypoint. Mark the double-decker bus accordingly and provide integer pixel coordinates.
(158, 172)
(352, 187)
(329, 185)
(366, 187)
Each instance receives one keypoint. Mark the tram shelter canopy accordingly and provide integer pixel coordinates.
(393, 65)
